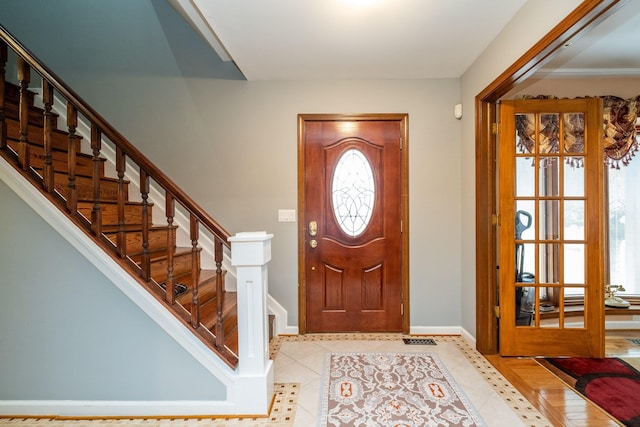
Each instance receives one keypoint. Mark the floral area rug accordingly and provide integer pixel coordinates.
(610, 383)
(392, 389)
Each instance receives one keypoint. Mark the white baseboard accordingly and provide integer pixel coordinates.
(468, 336)
(89, 408)
(281, 327)
(444, 330)
(622, 324)
(435, 330)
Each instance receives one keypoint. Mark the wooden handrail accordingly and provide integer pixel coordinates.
(114, 136)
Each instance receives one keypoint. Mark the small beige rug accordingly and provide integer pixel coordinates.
(392, 389)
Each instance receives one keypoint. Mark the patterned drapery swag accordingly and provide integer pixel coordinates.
(619, 121)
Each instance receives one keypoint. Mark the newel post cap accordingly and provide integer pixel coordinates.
(250, 248)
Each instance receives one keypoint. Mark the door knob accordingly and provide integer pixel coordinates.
(313, 228)
(313, 243)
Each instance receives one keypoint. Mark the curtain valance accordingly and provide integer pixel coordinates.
(619, 122)
(620, 117)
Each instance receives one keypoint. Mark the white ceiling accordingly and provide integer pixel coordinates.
(349, 39)
(611, 49)
(391, 39)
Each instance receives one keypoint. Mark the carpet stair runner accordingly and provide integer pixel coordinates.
(158, 236)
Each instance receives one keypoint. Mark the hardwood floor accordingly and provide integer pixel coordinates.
(559, 403)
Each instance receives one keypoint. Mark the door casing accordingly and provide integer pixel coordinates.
(303, 220)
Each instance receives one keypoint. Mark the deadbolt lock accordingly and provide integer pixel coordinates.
(313, 228)
(313, 243)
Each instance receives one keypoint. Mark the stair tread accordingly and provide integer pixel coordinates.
(206, 286)
(102, 178)
(111, 202)
(161, 254)
(209, 314)
(204, 276)
(134, 228)
(11, 140)
(208, 311)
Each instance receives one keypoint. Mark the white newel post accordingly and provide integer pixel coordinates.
(250, 253)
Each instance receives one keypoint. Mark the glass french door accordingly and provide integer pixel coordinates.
(551, 232)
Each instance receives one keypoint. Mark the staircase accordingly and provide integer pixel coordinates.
(47, 149)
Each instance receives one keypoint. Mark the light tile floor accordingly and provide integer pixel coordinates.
(298, 370)
(300, 359)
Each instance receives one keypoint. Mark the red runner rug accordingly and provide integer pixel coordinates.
(610, 383)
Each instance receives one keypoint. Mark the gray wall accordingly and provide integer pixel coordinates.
(532, 22)
(232, 144)
(67, 333)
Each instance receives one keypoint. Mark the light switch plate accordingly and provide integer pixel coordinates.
(286, 215)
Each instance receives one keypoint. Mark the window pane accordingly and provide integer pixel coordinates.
(525, 262)
(574, 263)
(624, 228)
(549, 262)
(574, 220)
(525, 131)
(549, 179)
(548, 136)
(549, 219)
(353, 192)
(573, 314)
(573, 132)
(524, 309)
(525, 215)
(525, 177)
(573, 177)
(546, 303)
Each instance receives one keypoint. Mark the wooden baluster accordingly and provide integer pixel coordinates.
(219, 292)
(47, 171)
(171, 247)
(3, 80)
(122, 236)
(72, 191)
(195, 304)
(24, 78)
(146, 258)
(96, 147)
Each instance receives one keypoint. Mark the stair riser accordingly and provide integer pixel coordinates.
(35, 135)
(11, 111)
(84, 187)
(182, 264)
(157, 240)
(12, 93)
(229, 320)
(206, 290)
(84, 165)
(132, 213)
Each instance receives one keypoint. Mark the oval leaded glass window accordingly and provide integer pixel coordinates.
(353, 192)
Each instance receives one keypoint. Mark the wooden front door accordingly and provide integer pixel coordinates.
(551, 234)
(352, 208)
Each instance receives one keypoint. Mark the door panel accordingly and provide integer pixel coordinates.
(551, 250)
(352, 243)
